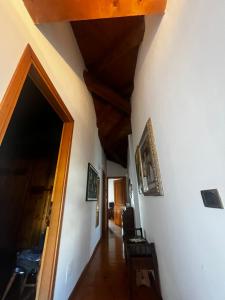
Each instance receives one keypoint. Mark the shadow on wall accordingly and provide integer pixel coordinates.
(55, 34)
(154, 23)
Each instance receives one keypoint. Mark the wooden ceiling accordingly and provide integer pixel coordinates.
(110, 48)
(43, 11)
(109, 33)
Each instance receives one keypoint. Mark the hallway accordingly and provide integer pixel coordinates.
(106, 277)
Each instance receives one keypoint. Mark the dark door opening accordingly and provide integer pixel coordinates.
(28, 158)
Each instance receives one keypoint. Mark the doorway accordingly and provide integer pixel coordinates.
(35, 134)
(28, 158)
(117, 198)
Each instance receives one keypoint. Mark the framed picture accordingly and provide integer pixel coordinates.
(149, 166)
(92, 184)
(138, 169)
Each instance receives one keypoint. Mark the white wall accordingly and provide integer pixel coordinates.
(110, 190)
(179, 83)
(115, 170)
(133, 179)
(57, 50)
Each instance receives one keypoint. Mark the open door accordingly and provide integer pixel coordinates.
(29, 68)
(120, 199)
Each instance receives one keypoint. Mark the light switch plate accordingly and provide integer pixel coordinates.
(211, 198)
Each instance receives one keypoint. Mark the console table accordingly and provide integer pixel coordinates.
(142, 256)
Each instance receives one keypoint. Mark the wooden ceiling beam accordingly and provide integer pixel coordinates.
(44, 11)
(120, 130)
(119, 160)
(125, 44)
(106, 93)
(102, 120)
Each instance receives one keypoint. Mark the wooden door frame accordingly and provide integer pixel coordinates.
(104, 204)
(29, 65)
(107, 187)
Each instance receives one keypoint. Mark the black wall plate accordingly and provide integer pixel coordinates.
(211, 198)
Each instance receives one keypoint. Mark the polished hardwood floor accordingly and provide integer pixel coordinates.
(106, 277)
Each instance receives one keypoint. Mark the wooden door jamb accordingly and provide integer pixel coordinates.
(29, 65)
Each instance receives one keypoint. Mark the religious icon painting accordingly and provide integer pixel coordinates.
(151, 184)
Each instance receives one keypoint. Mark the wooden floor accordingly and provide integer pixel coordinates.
(106, 277)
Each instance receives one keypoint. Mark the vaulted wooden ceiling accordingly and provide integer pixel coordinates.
(109, 33)
(110, 48)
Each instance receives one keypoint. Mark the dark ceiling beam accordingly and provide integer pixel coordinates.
(106, 93)
(128, 89)
(43, 11)
(110, 48)
(121, 130)
(101, 118)
(127, 42)
(114, 156)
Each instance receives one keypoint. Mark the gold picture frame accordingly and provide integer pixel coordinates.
(138, 169)
(151, 184)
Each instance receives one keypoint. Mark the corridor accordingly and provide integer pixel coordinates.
(106, 277)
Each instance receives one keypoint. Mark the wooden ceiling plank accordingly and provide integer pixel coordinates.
(106, 93)
(44, 11)
(129, 41)
(120, 130)
(114, 156)
(101, 118)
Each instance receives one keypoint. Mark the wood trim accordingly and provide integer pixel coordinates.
(43, 11)
(43, 82)
(104, 204)
(84, 271)
(12, 93)
(115, 177)
(42, 264)
(107, 204)
(29, 65)
(120, 199)
(51, 253)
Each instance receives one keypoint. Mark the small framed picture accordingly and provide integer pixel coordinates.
(92, 184)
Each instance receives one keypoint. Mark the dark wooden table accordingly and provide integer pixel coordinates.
(142, 256)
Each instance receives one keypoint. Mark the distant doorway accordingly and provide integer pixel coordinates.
(35, 134)
(117, 198)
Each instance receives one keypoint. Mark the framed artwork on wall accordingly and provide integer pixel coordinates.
(149, 166)
(92, 184)
(138, 169)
